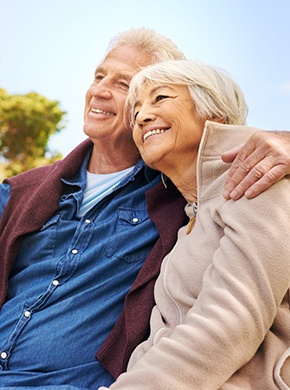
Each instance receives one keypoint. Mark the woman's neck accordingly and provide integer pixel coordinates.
(185, 181)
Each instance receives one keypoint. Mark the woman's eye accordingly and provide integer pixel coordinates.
(135, 115)
(161, 97)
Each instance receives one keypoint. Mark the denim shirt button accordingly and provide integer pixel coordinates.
(55, 282)
(135, 220)
(27, 314)
(3, 355)
(74, 251)
(88, 221)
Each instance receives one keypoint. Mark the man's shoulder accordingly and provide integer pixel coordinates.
(31, 177)
(67, 167)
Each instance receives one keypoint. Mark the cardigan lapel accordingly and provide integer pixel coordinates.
(166, 209)
(34, 198)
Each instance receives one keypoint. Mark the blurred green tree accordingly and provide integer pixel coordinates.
(26, 124)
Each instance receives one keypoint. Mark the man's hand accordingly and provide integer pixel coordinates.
(260, 162)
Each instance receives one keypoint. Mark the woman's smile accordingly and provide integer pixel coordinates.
(150, 133)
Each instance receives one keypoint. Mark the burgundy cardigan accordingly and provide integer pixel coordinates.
(34, 199)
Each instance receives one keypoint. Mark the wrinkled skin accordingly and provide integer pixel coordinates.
(260, 162)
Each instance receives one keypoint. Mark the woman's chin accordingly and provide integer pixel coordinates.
(152, 163)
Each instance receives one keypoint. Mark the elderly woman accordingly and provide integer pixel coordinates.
(221, 319)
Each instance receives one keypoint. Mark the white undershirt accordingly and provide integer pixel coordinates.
(98, 186)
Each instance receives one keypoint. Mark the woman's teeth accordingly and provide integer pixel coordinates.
(152, 132)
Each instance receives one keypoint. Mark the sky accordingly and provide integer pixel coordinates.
(53, 47)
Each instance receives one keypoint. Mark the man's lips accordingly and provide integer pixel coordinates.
(99, 111)
(153, 132)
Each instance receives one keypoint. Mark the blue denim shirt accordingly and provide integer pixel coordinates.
(68, 283)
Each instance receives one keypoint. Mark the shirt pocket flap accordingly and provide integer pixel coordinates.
(133, 217)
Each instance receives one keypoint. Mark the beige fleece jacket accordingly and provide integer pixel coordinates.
(222, 318)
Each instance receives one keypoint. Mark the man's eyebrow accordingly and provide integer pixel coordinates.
(99, 69)
(125, 76)
(118, 75)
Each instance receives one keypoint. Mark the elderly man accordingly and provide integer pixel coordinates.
(82, 240)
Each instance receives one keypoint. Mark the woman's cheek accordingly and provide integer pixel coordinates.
(136, 136)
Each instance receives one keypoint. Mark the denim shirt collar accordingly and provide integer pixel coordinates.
(80, 179)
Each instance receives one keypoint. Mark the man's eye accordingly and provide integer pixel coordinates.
(124, 84)
(98, 77)
(161, 97)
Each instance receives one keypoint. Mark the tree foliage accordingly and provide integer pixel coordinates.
(26, 124)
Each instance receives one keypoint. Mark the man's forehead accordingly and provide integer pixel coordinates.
(126, 60)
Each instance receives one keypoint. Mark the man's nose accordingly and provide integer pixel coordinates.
(102, 89)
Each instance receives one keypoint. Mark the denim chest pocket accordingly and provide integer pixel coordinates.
(47, 236)
(133, 236)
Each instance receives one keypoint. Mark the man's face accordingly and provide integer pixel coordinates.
(104, 118)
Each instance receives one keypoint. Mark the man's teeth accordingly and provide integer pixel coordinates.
(152, 132)
(99, 111)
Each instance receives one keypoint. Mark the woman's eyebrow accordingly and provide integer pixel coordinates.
(137, 103)
(160, 87)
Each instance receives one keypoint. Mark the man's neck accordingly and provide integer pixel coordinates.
(108, 163)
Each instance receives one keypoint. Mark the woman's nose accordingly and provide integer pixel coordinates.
(144, 116)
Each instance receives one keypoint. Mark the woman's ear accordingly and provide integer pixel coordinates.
(219, 120)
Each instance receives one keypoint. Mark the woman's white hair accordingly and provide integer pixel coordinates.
(214, 92)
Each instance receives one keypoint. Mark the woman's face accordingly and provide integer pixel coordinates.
(166, 129)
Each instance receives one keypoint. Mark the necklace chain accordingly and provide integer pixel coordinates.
(192, 219)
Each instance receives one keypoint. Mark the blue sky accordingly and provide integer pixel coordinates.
(52, 47)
